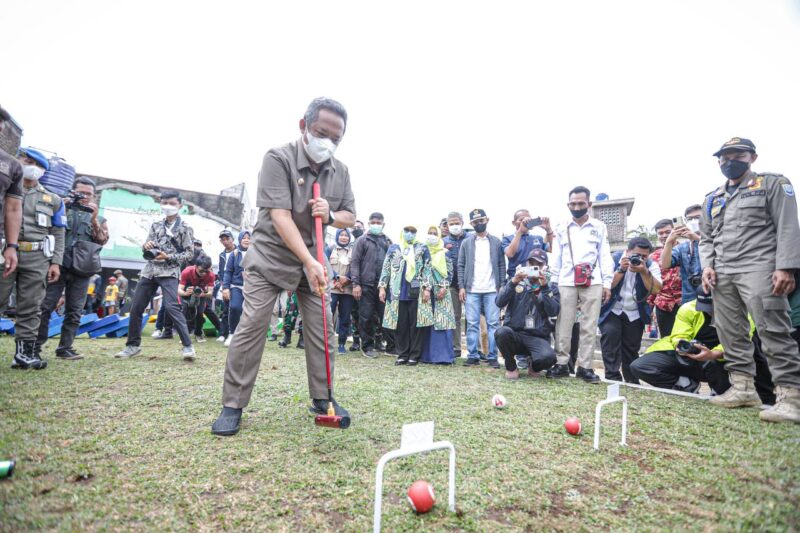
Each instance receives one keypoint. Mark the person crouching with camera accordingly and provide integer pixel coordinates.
(533, 303)
(168, 246)
(692, 354)
(624, 316)
(196, 290)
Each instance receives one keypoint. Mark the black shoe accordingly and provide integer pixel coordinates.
(272, 338)
(413, 363)
(391, 351)
(558, 371)
(369, 352)
(227, 423)
(400, 362)
(482, 356)
(26, 357)
(287, 340)
(493, 363)
(693, 387)
(356, 346)
(472, 361)
(320, 407)
(587, 375)
(166, 337)
(300, 344)
(68, 354)
(611, 376)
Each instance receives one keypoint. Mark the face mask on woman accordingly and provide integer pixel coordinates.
(409, 236)
(431, 240)
(32, 172)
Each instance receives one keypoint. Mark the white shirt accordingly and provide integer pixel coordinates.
(628, 303)
(483, 281)
(590, 245)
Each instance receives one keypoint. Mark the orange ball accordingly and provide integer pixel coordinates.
(421, 497)
(573, 425)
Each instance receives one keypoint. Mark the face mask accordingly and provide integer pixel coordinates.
(409, 237)
(480, 228)
(32, 172)
(455, 229)
(376, 229)
(431, 240)
(319, 149)
(734, 169)
(578, 213)
(693, 225)
(169, 210)
(358, 233)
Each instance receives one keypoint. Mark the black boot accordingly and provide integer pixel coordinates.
(356, 346)
(287, 339)
(26, 356)
(300, 344)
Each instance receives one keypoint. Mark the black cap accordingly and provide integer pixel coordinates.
(377, 215)
(538, 255)
(225, 233)
(476, 214)
(705, 302)
(736, 144)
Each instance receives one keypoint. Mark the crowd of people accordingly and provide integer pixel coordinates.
(719, 286)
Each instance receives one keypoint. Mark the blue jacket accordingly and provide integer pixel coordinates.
(616, 295)
(453, 245)
(687, 256)
(234, 272)
(466, 262)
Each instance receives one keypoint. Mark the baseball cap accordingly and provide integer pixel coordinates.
(705, 303)
(376, 215)
(476, 214)
(736, 144)
(538, 255)
(225, 233)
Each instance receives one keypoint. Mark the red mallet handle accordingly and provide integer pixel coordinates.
(321, 259)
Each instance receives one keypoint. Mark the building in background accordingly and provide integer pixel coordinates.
(614, 213)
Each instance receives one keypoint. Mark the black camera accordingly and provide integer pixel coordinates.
(532, 223)
(696, 280)
(685, 346)
(197, 291)
(151, 254)
(75, 202)
(636, 259)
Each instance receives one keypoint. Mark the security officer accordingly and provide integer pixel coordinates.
(749, 250)
(41, 247)
(10, 203)
(84, 226)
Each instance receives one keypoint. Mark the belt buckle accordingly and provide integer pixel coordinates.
(25, 246)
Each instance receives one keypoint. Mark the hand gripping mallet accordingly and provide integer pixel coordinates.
(329, 420)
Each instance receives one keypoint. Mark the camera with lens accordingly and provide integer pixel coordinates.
(75, 198)
(685, 346)
(197, 291)
(696, 280)
(636, 259)
(151, 254)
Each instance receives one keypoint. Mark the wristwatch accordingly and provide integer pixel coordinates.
(12, 245)
(331, 217)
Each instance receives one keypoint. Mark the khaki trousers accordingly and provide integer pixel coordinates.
(457, 307)
(31, 279)
(736, 296)
(590, 300)
(247, 346)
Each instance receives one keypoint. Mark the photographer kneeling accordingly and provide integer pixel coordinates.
(532, 303)
(196, 290)
(683, 359)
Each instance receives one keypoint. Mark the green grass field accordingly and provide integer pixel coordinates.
(107, 444)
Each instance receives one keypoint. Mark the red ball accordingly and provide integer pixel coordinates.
(421, 497)
(573, 425)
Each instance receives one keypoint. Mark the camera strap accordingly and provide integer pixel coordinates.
(571, 256)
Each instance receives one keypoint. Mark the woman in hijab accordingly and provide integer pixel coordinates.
(233, 283)
(407, 274)
(342, 291)
(438, 346)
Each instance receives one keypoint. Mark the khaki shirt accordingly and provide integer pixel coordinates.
(10, 184)
(39, 206)
(285, 182)
(754, 229)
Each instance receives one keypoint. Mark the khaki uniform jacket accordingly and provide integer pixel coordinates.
(754, 229)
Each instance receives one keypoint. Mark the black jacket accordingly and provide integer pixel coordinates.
(543, 307)
(367, 259)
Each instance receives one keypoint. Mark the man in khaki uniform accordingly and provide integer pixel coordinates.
(282, 256)
(749, 250)
(41, 249)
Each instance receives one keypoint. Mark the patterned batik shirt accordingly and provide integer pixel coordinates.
(670, 294)
(173, 239)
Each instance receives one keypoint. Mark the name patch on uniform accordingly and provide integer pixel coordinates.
(761, 192)
(788, 189)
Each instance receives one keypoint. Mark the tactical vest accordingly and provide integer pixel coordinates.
(79, 228)
(38, 208)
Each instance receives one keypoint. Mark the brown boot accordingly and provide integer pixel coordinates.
(786, 408)
(741, 394)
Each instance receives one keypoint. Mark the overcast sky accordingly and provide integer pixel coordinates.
(453, 105)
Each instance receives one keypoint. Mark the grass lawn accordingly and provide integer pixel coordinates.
(107, 444)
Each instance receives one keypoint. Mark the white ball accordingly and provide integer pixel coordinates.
(499, 401)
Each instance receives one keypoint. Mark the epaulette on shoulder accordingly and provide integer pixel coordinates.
(771, 175)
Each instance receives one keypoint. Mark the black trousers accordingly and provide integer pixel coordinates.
(145, 290)
(354, 322)
(196, 316)
(666, 320)
(620, 342)
(74, 289)
(369, 307)
(408, 338)
(662, 369)
(212, 316)
(512, 343)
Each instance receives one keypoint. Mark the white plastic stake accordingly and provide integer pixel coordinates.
(415, 439)
(612, 396)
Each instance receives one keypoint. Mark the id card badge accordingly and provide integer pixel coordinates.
(529, 323)
(41, 219)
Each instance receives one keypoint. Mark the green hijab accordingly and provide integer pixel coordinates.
(438, 253)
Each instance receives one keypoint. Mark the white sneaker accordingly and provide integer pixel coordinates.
(156, 334)
(199, 338)
(228, 340)
(188, 353)
(129, 351)
(220, 339)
